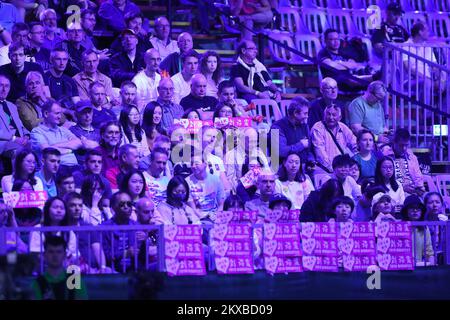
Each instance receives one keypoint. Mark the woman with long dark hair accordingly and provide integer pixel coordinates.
(318, 205)
(133, 183)
(151, 122)
(175, 209)
(25, 167)
(292, 182)
(130, 121)
(55, 215)
(211, 68)
(385, 177)
(92, 191)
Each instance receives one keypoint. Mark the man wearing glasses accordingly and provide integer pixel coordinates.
(171, 110)
(329, 90)
(38, 53)
(251, 77)
(121, 243)
(161, 41)
(367, 112)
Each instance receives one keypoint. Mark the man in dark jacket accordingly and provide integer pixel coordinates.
(293, 130)
(127, 63)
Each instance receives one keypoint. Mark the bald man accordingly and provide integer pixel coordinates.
(182, 80)
(197, 99)
(161, 41)
(145, 210)
(148, 79)
(171, 63)
(329, 90)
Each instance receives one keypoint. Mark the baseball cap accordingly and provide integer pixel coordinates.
(128, 31)
(379, 197)
(82, 105)
(276, 198)
(395, 7)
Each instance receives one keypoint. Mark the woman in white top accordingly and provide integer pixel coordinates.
(385, 177)
(92, 191)
(211, 68)
(54, 215)
(130, 121)
(25, 165)
(175, 209)
(292, 182)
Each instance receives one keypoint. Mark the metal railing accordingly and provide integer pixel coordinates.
(419, 97)
(438, 231)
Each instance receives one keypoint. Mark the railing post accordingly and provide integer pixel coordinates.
(447, 243)
(386, 80)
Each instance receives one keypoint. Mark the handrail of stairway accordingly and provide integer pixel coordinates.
(397, 46)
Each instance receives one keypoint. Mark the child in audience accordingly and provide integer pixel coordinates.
(414, 210)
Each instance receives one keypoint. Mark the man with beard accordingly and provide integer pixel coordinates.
(52, 34)
(147, 80)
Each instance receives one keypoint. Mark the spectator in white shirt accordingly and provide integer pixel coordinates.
(161, 41)
(147, 80)
(182, 80)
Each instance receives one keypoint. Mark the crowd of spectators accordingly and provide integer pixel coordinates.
(96, 130)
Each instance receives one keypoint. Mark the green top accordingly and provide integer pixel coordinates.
(80, 294)
(370, 117)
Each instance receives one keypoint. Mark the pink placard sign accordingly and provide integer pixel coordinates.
(193, 126)
(394, 246)
(236, 122)
(25, 199)
(224, 217)
(283, 216)
(319, 239)
(183, 250)
(320, 263)
(320, 247)
(358, 263)
(282, 248)
(357, 245)
(232, 245)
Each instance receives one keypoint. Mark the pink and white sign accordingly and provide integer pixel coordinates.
(232, 245)
(183, 250)
(393, 229)
(358, 263)
(319, 239)
(224, 217)
(25, 199)
(282, 247)
(193, 126)
(320, 246)
(320, 263)
(357, 245)
(236, 122)
(276, 264)
(388, 261)
(274, 216)
(249, 179)
(395, 246)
